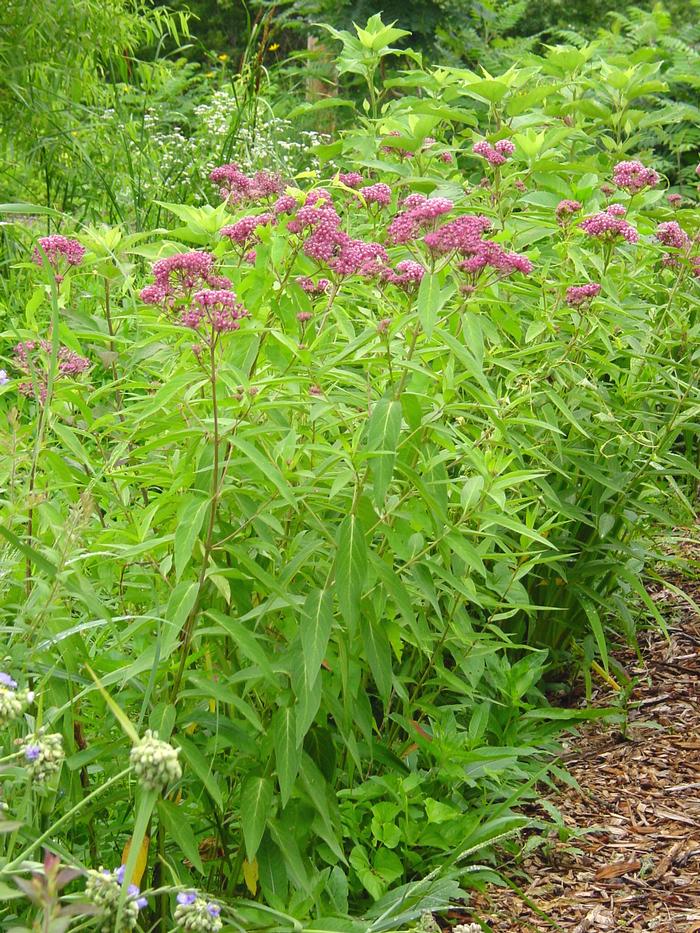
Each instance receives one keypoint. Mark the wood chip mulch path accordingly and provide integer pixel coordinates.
(637, 866)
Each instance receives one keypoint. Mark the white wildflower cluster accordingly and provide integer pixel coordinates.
(467, 928)
(197, 915)
(43, 755)
(13, 702)
(155, 762)
(103, 889)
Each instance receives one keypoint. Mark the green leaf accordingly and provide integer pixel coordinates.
(429, 302)
(176, 823)
(350, 568)
(383, 431)
(315, 628)
(256, 801)
(287, 753)
(188, 527)
(377, 651)
(201, 767)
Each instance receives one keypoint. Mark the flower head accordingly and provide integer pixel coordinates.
(43, 755)
(350, 179)
(33, 358)
(243, 231)
(155, 762)
(567, 207)
(579, 295)
(634, 177)
(675, 200)
(492, 155)
(607, 226)
(103, 890)
(407, 274)
(236, 188)
(377, 194)
(60, 252)
(197, 915)
(671, 233)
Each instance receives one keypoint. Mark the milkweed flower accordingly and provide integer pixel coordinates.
(377, 194)
(177, 277)
(418, 214)
(488, 152)
(285, 204)
(406, 275)
(235, 187)
(60, 252)
(43, 755)
(197, 915)
(633, 176)
(672, 234)
(579, 295)
(103, 890)
(243, 231)
(567, 207)
(350, 179)
(33, 358)
(462, 234)
(220, 310)
(607, 226)
(155, 762)
(505, 147)
(675, 200)
(312, 288)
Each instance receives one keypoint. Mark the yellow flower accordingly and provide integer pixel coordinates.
(209, 74)
(273, 47)
(223, 57)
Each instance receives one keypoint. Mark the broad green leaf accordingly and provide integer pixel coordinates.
(256, 801)
(350, 568)
(383, 430)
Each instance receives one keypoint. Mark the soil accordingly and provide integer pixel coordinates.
(636, 865)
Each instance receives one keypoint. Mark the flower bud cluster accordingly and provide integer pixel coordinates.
(196, 915)
(103, 889)
(155, 762)
(43, 755)
(13, 702)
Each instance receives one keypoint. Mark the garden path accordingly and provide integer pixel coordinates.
(637, 867)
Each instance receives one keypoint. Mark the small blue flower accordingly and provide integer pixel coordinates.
(133, 891)
(5, 679)
(187, 897)
(214, 909)
(119, 874)
(4, 378)
(32, 752)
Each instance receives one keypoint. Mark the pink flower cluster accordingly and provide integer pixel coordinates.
(33, 357)
(243, 231)
(312, 288)
(219, 309)
(634, 177)
(377, 194)
(675, 200)
(236, 188)
(285, 204)
(406, 275)
(496, 154)
(671, 233)
(350, 179)
(579, 295)
(567, 207)
(176, 277)
(329, 244)
(58, 250)
(419, 213)
(463, 234)
(608, 225)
